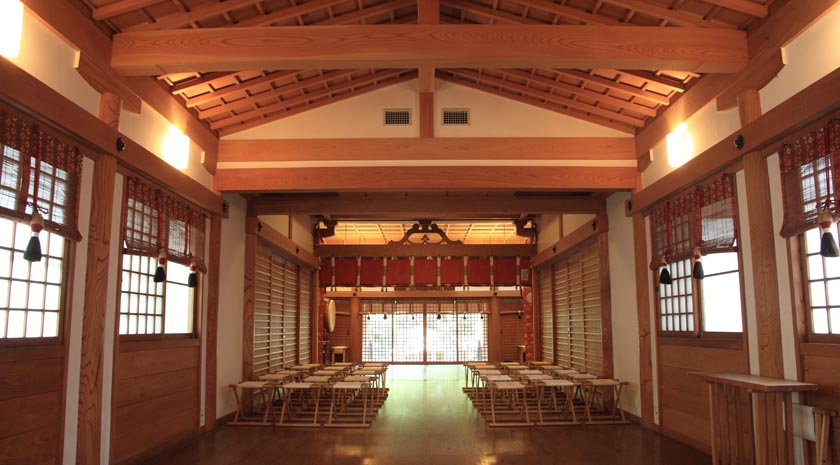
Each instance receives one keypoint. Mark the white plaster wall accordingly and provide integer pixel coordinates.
(74, 352)
(357, 117)
(231, 305)
(707, 127)
(625, 321)
(302, 232)
(809, 57)
(51, 60)
(574, 221)
(149, 128)
(278, 222)
(491, 116)
(548, 228)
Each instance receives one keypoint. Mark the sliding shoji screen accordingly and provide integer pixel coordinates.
(577, 311)
(305, 338)
(546, 315)
(290, 313)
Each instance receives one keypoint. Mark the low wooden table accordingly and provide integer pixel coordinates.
(738, 436)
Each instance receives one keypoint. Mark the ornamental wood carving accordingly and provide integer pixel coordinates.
(426, 228)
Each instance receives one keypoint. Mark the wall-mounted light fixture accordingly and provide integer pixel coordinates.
(679, 145)
(11, 27)
(176, 148)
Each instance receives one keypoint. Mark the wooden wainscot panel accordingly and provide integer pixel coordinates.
(156, 399)
(21, 379)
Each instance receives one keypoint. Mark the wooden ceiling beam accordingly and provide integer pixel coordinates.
(364, 13)
(541, 94)
(197, 14)
(410, 46)
(569, 12)
(454, 206)
(443, 178)
(488, 12)
(421, 250)
(120, 7)
(297, 87)
(675, 17)
(763, 42)
(241, 87)
(595, 119)
(288, 13)
(744, 6)
(192, 84)
(457, 148)
(603, 98)
(268, 117)
(652, 97)
(668, 83)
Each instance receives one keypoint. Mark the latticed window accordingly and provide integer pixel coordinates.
(701, 222)
(810, 184)
(39, 172)
(156, 222)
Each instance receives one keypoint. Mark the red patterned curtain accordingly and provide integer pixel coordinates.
(478, 271)
(346, 269)
(452, 271)
(46, 169)
(706, 217)
(504, 271)
(717, 218)
(372, 271)
(399, 271)
(425, 271)
(153, 219)
(809, 181)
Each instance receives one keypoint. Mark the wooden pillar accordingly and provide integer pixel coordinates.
(428, 12)
(355, 340)
(96, 295)
(250, 295)
(494, 331)
(93, 322)
(762, 246)
(606, 308)
(213, 283)
(643, 314)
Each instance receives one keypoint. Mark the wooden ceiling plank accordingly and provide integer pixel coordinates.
(428, 11)
(668, 83)
(605, 98)
(744, 6)
(367, 179)
(182, 19)
(595, 119)
(192, 84)
(503, 16)
(478, 148)
(121, 7)
(288, 13)
(251, 100)
(358, 15)
(676, 17)
(235, 88)
(411, 46)
(571, 13)
(652, 97)
(425, 207)
(232, 128)
(549, 96)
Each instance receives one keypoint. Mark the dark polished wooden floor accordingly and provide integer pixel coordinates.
(427, 420)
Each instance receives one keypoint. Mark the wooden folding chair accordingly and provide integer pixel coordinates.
(243, 417)
(601, 387)
(567, 415)
(306, 393)
(517, 409)
(342, 396)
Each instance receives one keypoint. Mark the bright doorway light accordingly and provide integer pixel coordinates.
(176, 148)
(679, 145)
(11, 27)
